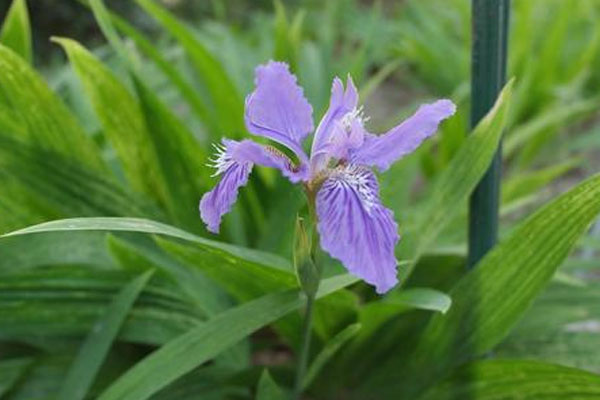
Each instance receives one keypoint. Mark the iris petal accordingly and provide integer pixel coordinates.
(356, 228)
(382, 151)
(341, 103)
(277, 109)
(234, 163)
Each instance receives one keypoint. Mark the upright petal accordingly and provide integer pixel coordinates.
(382, 151)
(356, 228)
(277, 109)
(341, 103)
(234, 163)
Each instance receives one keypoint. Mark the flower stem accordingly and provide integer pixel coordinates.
(310, 292)
(305, 347)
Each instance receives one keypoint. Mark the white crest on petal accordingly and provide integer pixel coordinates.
(359, 178)
(221, 160)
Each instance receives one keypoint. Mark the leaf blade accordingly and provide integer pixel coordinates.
(200, 344)
(95, 348)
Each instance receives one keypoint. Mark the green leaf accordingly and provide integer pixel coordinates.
(190, 94)
(523, 185)
(561, 327)
(10, 372)
(66, 302)
(153, 227)
(180, 157)
(420, 299)
(122, 119)
(516, 380)
(205, 342)
(455, 183)
(267, 388)
(547, 121)
(330, 349)
(103, 18)
(226, 102)
(16, 30)
(42, 117)
(97, 344)
(58, 186)
(20, 253)
(492, 297)
(246, 280)
(143, 254)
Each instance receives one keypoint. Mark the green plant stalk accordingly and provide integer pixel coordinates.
(310, 300)
(488, 75)
(305, 347)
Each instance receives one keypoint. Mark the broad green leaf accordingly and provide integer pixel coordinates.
(523, 185)
(66, 302)
(267, 388)
(226, 102)
(551, 119)
(139, 255)
(58, 187)
(122, 119)
(330, 349)
(516, 380)
(10, 372)
(153, 227)
(562, 327)
(287, 36)
(455, 183)
(195, 101)
(420, 299)
(491, 298)
(20, 253)
(103, 18)
(205, 342)
(16, 30)
(182, 160)
(249, 280)
(43, 118)
(94, 349)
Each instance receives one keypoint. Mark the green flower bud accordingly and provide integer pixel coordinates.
(307, 272)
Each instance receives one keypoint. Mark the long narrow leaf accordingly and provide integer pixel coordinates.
(95, 348)
(16, 30)
(516, 380)
(489, 300)
(205, 342)
(153, 227)
(456, 182)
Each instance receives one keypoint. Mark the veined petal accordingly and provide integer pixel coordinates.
(277, 109)
(234, 162)
(341, 103)
(219, 201)
(356, 228)
(382, 151)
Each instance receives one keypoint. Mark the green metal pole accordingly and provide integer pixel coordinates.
(488, 76)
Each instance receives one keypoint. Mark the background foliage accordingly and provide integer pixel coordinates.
(126, 296)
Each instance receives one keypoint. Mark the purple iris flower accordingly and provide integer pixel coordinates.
(354, 227)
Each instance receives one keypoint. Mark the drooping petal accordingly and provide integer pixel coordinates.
(234, 162)
(341, 103)
(382, 151)
(219, 201)
(356, 228)
(277, 109)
